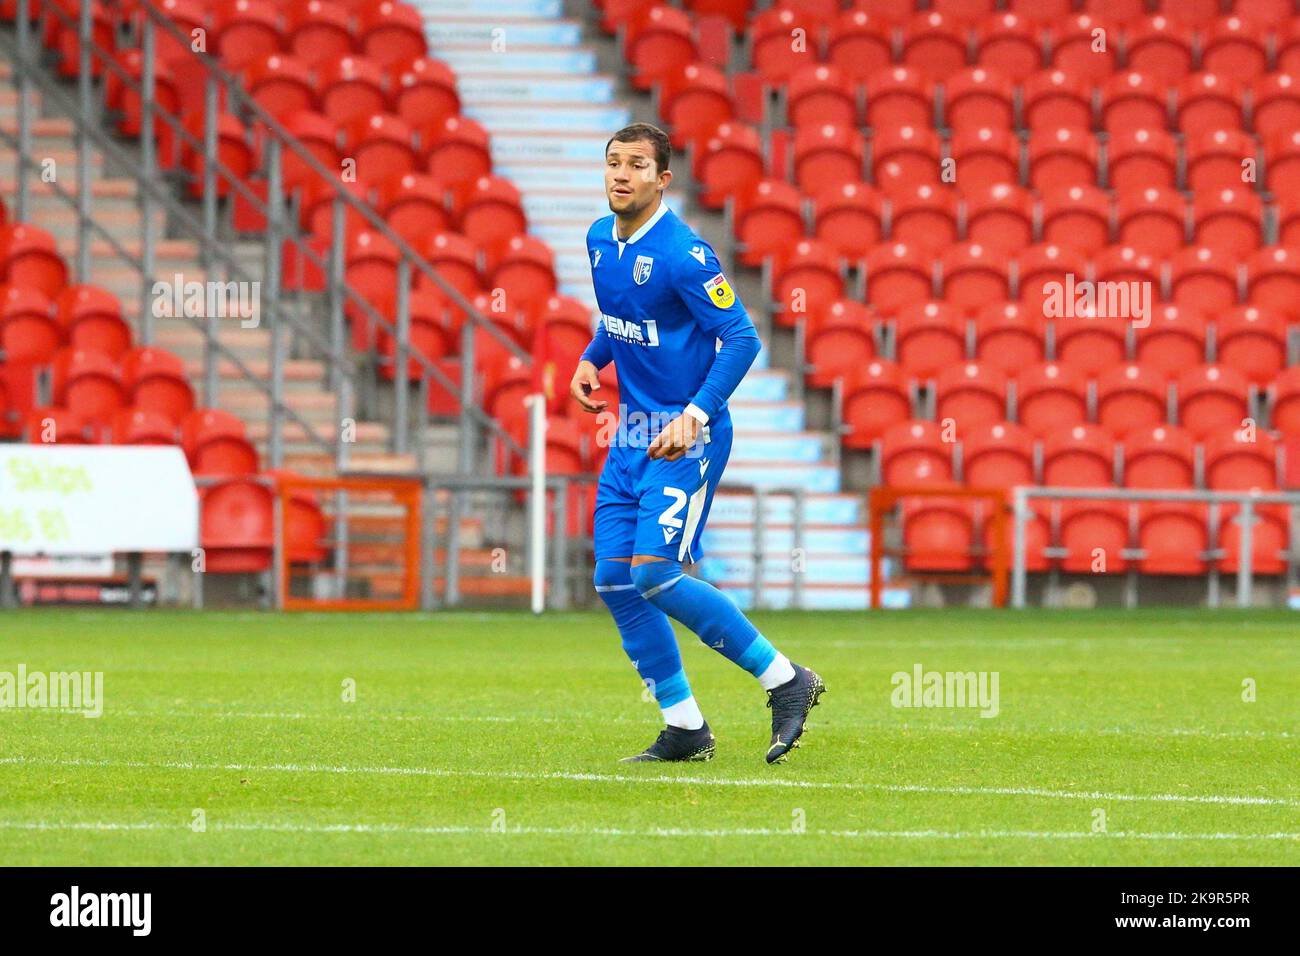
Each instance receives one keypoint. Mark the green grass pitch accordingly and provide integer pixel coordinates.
(493, 738)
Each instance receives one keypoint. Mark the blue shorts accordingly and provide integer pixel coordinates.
(658, 507)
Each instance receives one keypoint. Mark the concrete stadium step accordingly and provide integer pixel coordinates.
(477, 32)
(822, 509)
(556, 61)
(300, 374)
(521, 148)
(544, 88)
(781, 474)
(776, 416)
(513, 9)
(512, 118)
(754, 445)
(722, 536)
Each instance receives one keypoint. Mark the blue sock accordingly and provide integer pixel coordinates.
(648, 638)
(712, 615)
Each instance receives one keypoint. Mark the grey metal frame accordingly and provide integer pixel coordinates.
(1246, 500)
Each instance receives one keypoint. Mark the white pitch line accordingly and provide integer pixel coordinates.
(699, 781)
(384, 828)
(616, 719)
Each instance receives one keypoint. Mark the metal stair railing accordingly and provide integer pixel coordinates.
(341, 368)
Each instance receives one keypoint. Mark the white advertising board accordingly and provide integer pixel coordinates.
(78, 499)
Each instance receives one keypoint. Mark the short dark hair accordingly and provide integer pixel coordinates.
(651, 134)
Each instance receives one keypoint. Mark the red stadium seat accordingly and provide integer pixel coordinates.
(457, 151)
(898, 274)
(915, 149)
(839, 342)
(825, 153)
(979, 97)
(1235, 46)
(974, 274)
(1152, 219)
(1091, 339)
(937, 534)
(1282, 165)
(412, 205)
(58, 426)
(1076, 48)
(899, 96)
(1268, 539)
(1000, 215)
(1008, 43)
(1205, 277)
(1044, 269)
(1211, 398)
(157, 382)
(971, 394)
(383, 146)
(248, 30)
(351, 88)
(1175, 537)
(236, 527)
(772, 34)
(1173, 341)
(1215, 159)
(1208, 102)
(91, 318)
(1078, 216)
(924, 216)
(492, 211)
(1081, 456)
(1131, 396)
(1140, 158)
(1056, 99)
(390, 33)
(1009, 336)
(693, 101)
(987, 156)
(1160, 48)
(137, 426)
(320, 30)
(1285, 400)
(1253, 341)
(858, 43)
(1061, 158)
(657, 43)
(875, 399)
(1050, 396)
(1132, 101)
(806, 280)
(1159, 456)
(848, 218)
(1238, 460)
(821, 94)
(29, 331)
(425, 94)
(89, 384)
(281, 85)
(934, 45)
(929, 337)
(1275, 104)
(1273, 276)
(728, 163)
(1095, 535)
(319, 135)
(525, 271)
(767, 220)
(997, 455)
(29, 256)
(914, 453)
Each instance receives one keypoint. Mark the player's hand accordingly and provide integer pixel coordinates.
(676, 439)
(585, 381)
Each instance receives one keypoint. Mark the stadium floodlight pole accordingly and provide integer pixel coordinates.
(537, 501)
(84, 91)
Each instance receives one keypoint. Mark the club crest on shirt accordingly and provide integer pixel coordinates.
(641, 269)
(720, 292)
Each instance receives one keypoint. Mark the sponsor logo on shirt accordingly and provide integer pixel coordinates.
(626, 330)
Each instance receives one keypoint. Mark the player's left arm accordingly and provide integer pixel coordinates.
(698, 279)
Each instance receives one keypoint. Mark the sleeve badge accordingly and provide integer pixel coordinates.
(719, 292)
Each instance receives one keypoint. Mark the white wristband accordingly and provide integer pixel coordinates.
(697, 413)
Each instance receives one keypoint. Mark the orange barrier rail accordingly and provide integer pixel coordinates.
(308, 534)
(882, 500)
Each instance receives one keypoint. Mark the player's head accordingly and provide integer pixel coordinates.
(636, 168)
